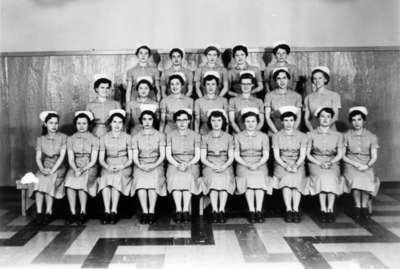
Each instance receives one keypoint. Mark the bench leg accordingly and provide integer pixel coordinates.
(23, 202)
(201, 206)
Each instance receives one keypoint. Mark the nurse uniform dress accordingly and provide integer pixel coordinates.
(358, 148)
(217, 153)
(293, 71)
(100, 112)
(53, 184)
(236, 104)
(82, 145)
(289, 146)
(251, 148)
(324, 147)
(133, 109)
(135, 73)
(116, 152)
(183, 150)
(201, 71)
(236, 71)
(148, 146)
(186, 72)
(172, 104)
(203, 105)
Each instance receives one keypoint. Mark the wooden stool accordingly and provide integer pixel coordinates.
(24, 196)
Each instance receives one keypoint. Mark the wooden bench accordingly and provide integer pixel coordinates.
(24, 196)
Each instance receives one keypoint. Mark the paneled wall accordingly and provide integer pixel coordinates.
(30, 84)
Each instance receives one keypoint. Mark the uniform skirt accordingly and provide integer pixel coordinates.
(188, 180)
(224, 181)
(360, 180)
(325, 180)
(121, 180)
(252, 179)
(151, 180)
(87, 181)
(285, 179)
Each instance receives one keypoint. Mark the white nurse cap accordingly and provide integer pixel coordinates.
(279, 43)
(188, 110)
(148, 107)
(278, 69)
(251, 72)
(284, 109)
(101, 75)
(182, 75)
(319, 109)
(43, 115)
(85, 112)
(115, 111)
(362, 109)
(212, 73)
(216, 109)
(321, 68)
(145, 78)
(249, 109)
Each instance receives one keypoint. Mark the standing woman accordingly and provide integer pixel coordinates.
(51, 147)
(361, 152)
(101, 106)
(115, 158)
(81, 178)
(143, 88)
(217, 155)
(143, 69)
(183, 155)
(207, 102)
(148, 157)
(324, 151)
(290, 147)
(251, 155)
(172, 103)
(280, 97)
(212, 54)
(321, 97)
(240, 54)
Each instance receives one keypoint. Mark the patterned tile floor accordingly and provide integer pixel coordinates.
(237, 244)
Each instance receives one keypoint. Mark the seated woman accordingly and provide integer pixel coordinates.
(81, 178)
(289, 147)
(279, 97)
(143, 88)
(148, 157)
(172, 103)
(217, 155)
(324, 151)
(207, 102)
(361, 152)
(183, 172)
(115, 158)
(251, 155)
(51, 147)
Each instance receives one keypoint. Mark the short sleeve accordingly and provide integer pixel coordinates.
(162, 140)
(260, 106)
(346, 139)
(169, 140)
(38, 144)
(265, 142)
(224, 75)
(374, 142)
(63, 141)
(163, 106)
(197, 139)
(340, 141)
(307, 103)
(268, 100)
(69, 143)
(204, 141)
(102, 143)
(197, 108)
(128, 142)
(134, 140)
(298, 101)
(303, 141)
(275, 141)
(232, 105)
(237, 143)
(224, 104)
(309, 140)
(95, 143)
(231, 143)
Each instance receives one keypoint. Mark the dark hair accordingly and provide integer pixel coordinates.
(48, 117)
(217, 114)
(249, 114)
(148, 112)
(247, 76)
(119, 115)
(181, 112)
(288, 114)
(176, 76)
(175, 50)
(143, 47)
(355, 113)
(275, 75)
(327, 110)
(210, 48)
(281, 46)
(97, 83)
(144, 81)
(238, 48)
(83, 116)
(209, 78)
(323, 73)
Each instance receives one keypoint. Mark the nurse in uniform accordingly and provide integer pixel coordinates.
(245, 100)
(361, 152)
(148, 157)
(240, 54)
(207, 102)
(281, 51)
(115, 158)
(143, 88)
(183, 172)
(101, 106)
(279, 97)
(143, 69)
(289, 146)
(217, 155)
(173, 102)
(176, 57)
(324, 152)
(81, 178)
(51, 147)
(251, 155)
(212, 54)
(321, 97)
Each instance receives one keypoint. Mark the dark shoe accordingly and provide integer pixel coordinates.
(113, 218)
(82, 218)
(151, 218)
(259, 217)
(178, 217)
(222, 217)
(105, 219)
(288, 216)
(71, 219)
(214, 217)
(296, 217)
(357, 213)
(186, 217)
(39, 220)
(144, 218)
(323, 217)
(365, 213)
(47, 218)
(252, 217)
(331, 217)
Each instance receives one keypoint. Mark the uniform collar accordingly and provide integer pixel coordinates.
(286, 134)
(152, 132)
(81, 135)
(216, 136)
(353, 132)
(250, 135)
(51, 138)
(245, 67)
(321, 132)
(208, 98)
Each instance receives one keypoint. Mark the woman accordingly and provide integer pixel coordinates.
(240, 54)
(115, 158)
(324, 151)
(143, 88)
(143, 69)
(361, 152)
(289, 147)
(321, 97)
(280, 51)
(217, 155)
(101, 106)
(172, 103)
(245, 100)
(176, 57)
(81, 178)
(279, 97)
(207, 102)
(51, 147)
(251, 155)
(212, 54)
(183, 155)
(148, 157)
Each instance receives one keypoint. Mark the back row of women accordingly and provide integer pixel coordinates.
(160, 131)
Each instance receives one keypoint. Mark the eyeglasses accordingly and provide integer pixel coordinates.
(246, 84)
(182, 120)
